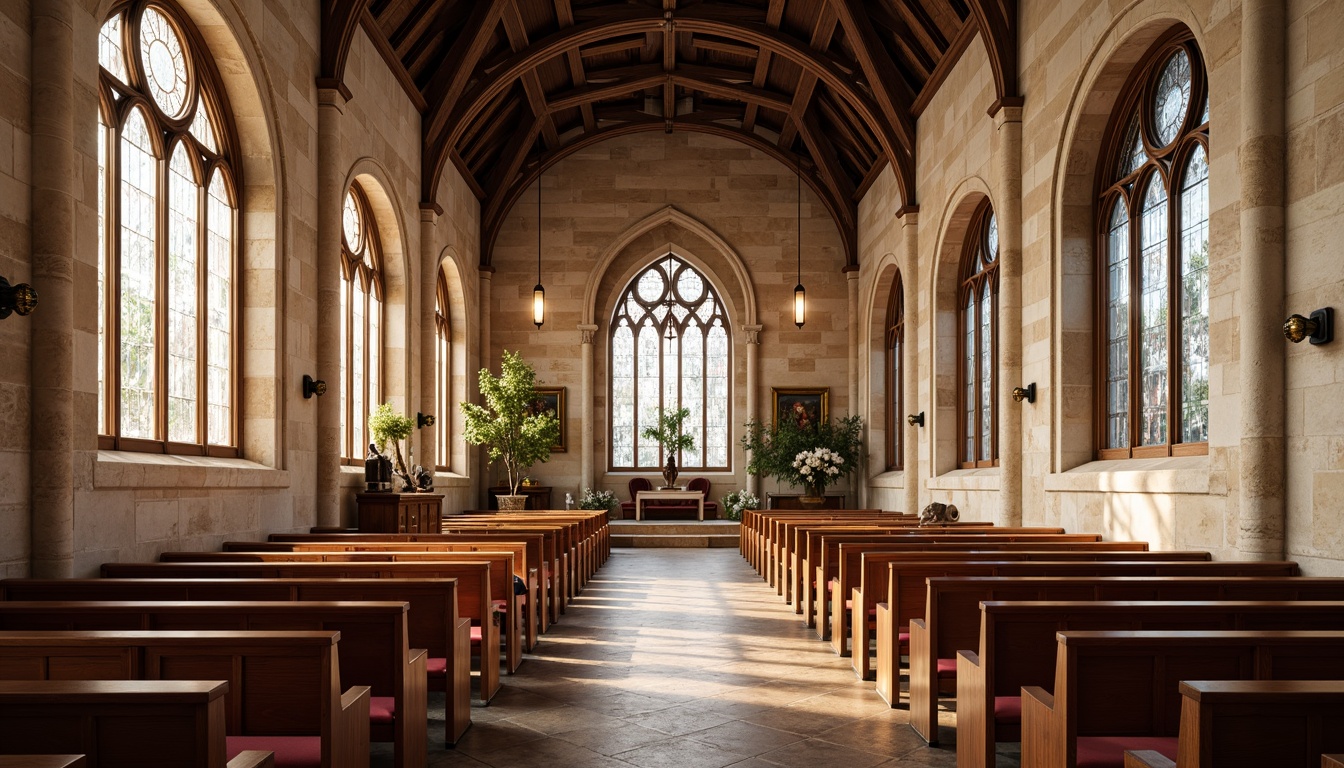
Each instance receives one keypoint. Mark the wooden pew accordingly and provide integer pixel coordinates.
(907, 590)
(1254, 723)
(585, 534)
(473, 593)
(120, 723)
(561, 552)
(46, 761)
(505, 602)
(1119, 690)
(774, 525)
(283, 694)
(1015, 645)
(374, 644)
(433, 622)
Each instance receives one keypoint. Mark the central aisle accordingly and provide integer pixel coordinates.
(685, 658)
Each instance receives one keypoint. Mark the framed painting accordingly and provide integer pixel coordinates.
(552, 400)
(807, 407)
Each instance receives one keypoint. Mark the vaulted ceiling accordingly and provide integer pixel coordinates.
(830, 87)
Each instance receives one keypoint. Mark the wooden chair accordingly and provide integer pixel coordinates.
(635, 485)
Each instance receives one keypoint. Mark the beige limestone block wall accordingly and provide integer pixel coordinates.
(741, 196)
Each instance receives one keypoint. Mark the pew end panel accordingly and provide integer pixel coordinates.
(1254, 723)
(1042, 744)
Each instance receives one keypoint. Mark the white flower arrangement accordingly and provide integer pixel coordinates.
(817, 467)
(597, 499)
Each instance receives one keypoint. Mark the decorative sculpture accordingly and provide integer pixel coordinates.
(938, 513)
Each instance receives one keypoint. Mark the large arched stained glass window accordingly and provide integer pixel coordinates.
(1153, 270)
(895, 369)
(168, 239)
(669, 349)
(977, 321)
(443, 375)
(361, 323)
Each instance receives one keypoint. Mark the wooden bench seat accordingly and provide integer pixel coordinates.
(565, 539)
(375, 650)
(907, 589)
(756, 525)
(46, 761)
(123, 723)
(283, 690)
(1254, 723)
(475, 582)
(434, 620)
(1119, 690)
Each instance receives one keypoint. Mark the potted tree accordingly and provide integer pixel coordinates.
(667, 433)
(388, 426)
(514, 432)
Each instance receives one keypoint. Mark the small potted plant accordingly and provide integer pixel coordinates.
(387, 426)
(508, 427)
(597, 499)
(736, 501)
(667, 433)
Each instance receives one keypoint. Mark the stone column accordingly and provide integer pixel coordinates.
(753, 333)
(429, 336)
(587, 396)
(1008, 213)
(855, 357)
(331, 171)
(910, 363)
(480, 483)
(51, 350)
(1260, 163)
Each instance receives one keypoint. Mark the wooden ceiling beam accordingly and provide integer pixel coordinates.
(450, 80)
(774, 16)
(339, 20)
(822, 32)
(823, 156)
(997, 20)
(921, 25)
(516, 31)
(564, 16)
(512, 157)
(945, 64)
(416, 24)
(732, 49)
(616, 46)
(394, 64)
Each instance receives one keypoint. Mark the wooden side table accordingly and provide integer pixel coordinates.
(400, 512)
(538, 496)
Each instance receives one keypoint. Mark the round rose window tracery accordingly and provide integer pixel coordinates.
(165, 63)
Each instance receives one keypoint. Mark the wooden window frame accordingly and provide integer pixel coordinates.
(970, 282)
(443, 369)
(116, 102)
(630, 292)
(360, 279)
(895, 335)
(1169, 163)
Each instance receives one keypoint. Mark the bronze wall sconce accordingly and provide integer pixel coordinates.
(313, 386)
(424, 420)
(19, 298)
(915, 419)
(1027, 393)
(1318, 329)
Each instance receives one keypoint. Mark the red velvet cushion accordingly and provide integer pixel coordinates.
(903, 638)
(1007, 709)
(382, 709)
(476, 635)
(290, 751)
(947, 667)
(436, 667)
(1109, 751)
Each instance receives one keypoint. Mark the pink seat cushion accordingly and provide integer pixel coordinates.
(436, 667)
(476, 635)
(903, 638)
(290, 751)
(382, 709)
(1007, 709)
(1109, 751)
(947, 667)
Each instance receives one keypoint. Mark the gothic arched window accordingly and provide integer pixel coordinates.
(1153, 253)
(669, 349)
(895, 344)
(168, 239)
(443, 374)
(977, 325)
(361, 323)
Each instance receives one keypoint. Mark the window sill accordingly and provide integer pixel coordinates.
(986, 479)
(1184, 474)
(894, 479)
(126, 469)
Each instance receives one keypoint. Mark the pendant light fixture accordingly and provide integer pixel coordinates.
(800, 295)
(538, 293)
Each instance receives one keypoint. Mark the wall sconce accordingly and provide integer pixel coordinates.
(424, 420)
(915, 419)
(1027, 393)
(313, 386)
(19, 298)
(1319, 328)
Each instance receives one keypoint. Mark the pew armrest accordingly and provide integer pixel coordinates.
(413, 719)
(1042, 741)
(923, 683)
(350, 737)
(975, 713)
(253, 758)
(1147, 758)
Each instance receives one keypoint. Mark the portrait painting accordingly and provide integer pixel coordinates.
(552, 400)
(805, 407)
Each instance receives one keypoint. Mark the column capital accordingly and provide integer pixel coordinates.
(430, 214)
(753, 333)
(1007, 113)
(332, 97)
(586, 331)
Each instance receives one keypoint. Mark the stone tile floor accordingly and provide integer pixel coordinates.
(684, 658)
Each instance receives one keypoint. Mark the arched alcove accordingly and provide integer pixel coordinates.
(874, 351)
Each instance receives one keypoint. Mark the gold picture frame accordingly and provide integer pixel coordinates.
(553, 399)
(808, 405)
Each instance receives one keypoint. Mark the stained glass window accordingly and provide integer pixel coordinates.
(1153, 261)
(443, 374)
(979, 294)
(669, 349)
(167, 239)
(361, 324)
(895, 370)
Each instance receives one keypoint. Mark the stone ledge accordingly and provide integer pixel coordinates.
(1182, 474)
(967, 480)
(125, 469)
(890, 479)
